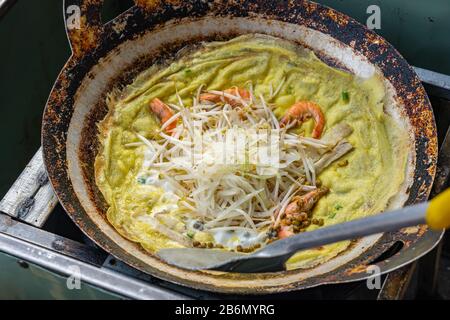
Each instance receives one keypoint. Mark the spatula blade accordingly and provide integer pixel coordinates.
(196, 258)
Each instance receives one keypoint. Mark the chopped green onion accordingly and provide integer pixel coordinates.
(337, 207)
(345, 96)
(290, 89)
(187, 72)
(191, 234)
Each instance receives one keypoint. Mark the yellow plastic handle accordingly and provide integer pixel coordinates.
(438, 212)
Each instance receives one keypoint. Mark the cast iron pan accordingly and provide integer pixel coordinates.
(110, 55)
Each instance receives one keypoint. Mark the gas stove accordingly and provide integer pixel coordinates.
(41, 243)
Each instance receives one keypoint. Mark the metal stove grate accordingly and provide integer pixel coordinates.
(34, 228)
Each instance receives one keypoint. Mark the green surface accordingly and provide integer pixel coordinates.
(19, 280)
(33, 51)
(418, 29)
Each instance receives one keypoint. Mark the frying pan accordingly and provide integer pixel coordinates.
(109, 55)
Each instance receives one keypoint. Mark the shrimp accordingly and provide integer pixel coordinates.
(285, 231)
(164, 113)
(305, 202)
(303, 110)
(235, 91)
(296, 212)
(292, 208)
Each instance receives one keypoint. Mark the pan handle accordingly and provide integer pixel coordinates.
(82, 19)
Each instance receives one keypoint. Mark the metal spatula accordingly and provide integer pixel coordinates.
(273, 257)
